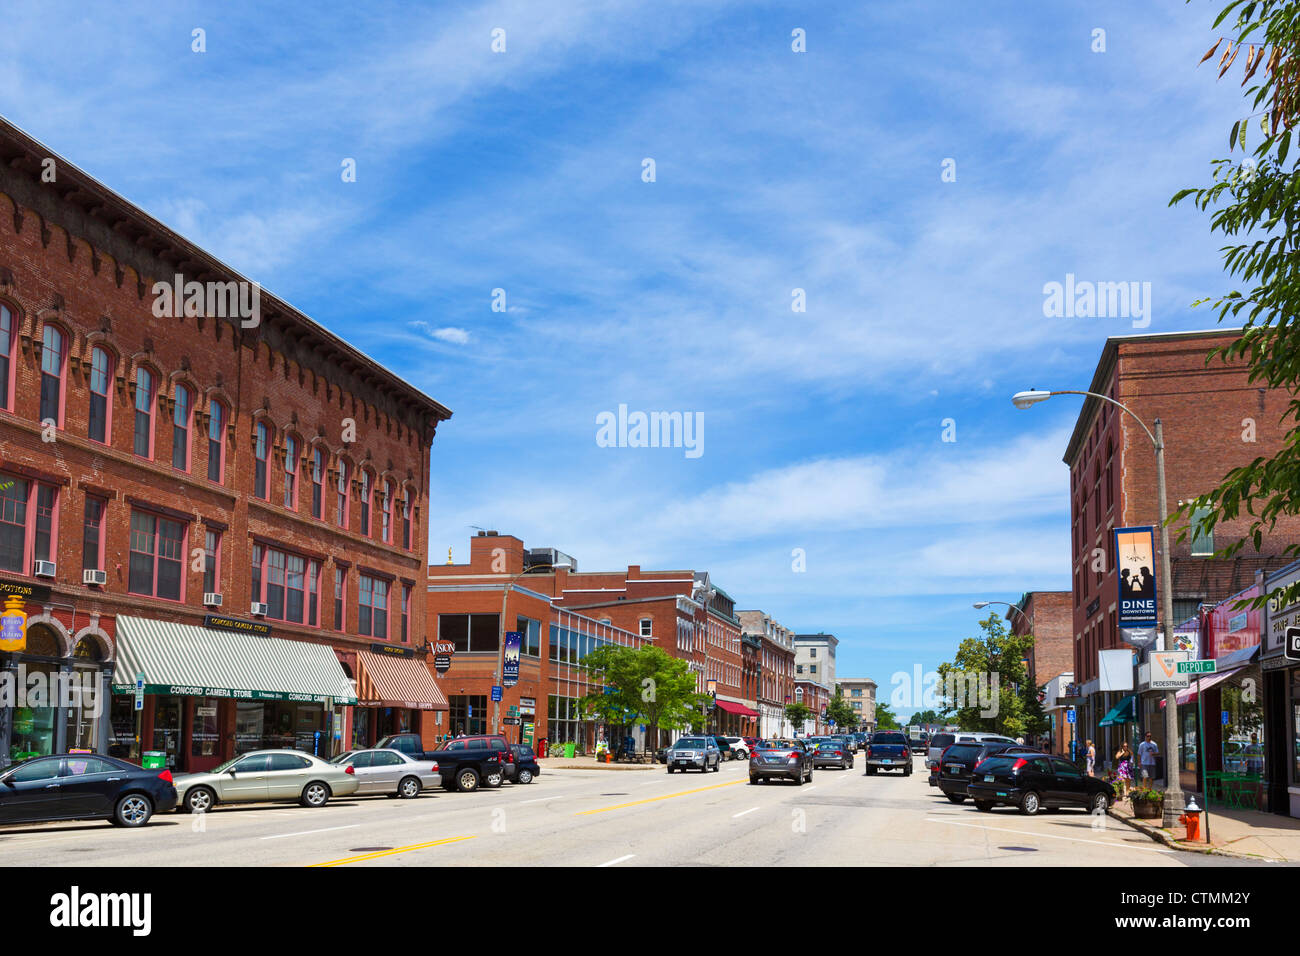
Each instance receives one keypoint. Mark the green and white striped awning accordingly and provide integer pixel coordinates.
(190, 661)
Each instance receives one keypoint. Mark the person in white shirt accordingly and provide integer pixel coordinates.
(1147, 753)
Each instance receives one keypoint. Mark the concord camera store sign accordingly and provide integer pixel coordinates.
(175, 690)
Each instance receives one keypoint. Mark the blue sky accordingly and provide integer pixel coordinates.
(775, 170)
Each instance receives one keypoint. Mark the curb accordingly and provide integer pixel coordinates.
(595, 766)
(1160, 836)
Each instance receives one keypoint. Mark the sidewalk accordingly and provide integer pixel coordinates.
(1247, 834)
(589, 763)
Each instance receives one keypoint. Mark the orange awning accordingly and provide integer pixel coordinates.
(384, 681)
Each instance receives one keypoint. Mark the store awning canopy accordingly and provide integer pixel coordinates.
(397, 682)
(1122, 713)
(190, 661)
(734, 708)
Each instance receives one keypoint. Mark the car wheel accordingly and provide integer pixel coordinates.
(525, 776)
(752, 780)
(1100, 804)
(133, 810)
(493, 779)
(717, 766)
(907, 771)
(670, 769)
(1030, 804)
(467, 780)
(408, 788)
(315, 794)
(984, 806)
(798, 781)
(871, 771)
(199, 800)
(955, 797)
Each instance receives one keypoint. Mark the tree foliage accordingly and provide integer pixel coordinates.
(642, 685)
(840, 711)
(885, 719)
(1256, 207)
(988, 705)
(797, 713)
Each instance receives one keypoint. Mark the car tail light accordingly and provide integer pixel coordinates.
(434, 765)
(868, 751)
(838, 753)
(793, 755)
(348, 769)
(1020, 762)
(165, 776)
(906, 752)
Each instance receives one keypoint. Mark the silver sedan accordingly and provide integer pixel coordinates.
(390, 772)
(265, 775)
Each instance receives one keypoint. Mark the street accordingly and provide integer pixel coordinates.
(615, 818)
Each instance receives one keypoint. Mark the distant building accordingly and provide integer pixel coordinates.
(860, 692)
(775, 670)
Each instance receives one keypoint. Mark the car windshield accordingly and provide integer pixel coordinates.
(889, 739)
(962, 752)
(995, 764)
(694, 742)
(223, 767)
(343, 757)
(942, 740)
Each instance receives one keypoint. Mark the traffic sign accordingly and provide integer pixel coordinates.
(1223, 717)
(139, 692)
(1197, 667)
(510, 721)
(1071, 717)
(496, 692)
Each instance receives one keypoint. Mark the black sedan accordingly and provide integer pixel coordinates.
(1033, 782)
(81, 787)
(782, 757)
(832, 753)
(959, 762)
(526, 767)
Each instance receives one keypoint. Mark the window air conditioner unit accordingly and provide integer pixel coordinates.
(93, 576)
(258, 609)
(45, 569)
(211, 599)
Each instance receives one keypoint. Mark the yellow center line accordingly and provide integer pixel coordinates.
(669, 796)
(400, 849)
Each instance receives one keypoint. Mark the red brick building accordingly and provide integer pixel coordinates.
(1049, 617)
(775, 671)
(1214, 420)
(816, 697)
(216, 493)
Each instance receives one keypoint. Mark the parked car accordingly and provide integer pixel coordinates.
(526, 767)
(781, 757)
(1031, 782)
(832, 753)
(750, 743)
(724, 747)
(266, 775)
(959, 762)
(739, 749)
(889, 750)
(850, 745)
(465, 762)
(861, 740)
(694, 753)
(941, 741)
(84, 787)
(390, 772)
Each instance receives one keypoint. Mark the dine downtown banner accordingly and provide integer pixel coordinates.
(1135, 557)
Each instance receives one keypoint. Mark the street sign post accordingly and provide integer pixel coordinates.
(1070, 716)
(496, 693)
(1197, 667)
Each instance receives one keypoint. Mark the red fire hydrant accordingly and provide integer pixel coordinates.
(1191, 818)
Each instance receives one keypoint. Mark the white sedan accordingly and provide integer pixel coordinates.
(390, 772)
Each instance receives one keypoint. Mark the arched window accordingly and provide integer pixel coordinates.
(101, 378)
(387, 504)
(7, 340)
(181, 413)
(54, 353)
(216, 442)
(291, 472)
(144, 395)
(365, 502)
(406, 520)
(260, 451)
(345, 475)
(317, 483)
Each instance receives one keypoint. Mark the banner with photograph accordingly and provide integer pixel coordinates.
(1135, 561)
(514, 639)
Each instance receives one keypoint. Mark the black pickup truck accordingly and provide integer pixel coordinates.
(889, 750)
(464, 763)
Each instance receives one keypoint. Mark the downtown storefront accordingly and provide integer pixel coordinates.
(211, 693)
(395, 690)
(1280, 673)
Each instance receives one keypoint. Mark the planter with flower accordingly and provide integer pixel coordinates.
(1148, 803)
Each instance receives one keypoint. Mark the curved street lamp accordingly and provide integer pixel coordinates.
(1173, 802)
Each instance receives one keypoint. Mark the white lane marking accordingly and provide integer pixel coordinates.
(807, 789)
(540, 799)
(281, 836)
(743, 812)
(619, 860)
(1052, 836)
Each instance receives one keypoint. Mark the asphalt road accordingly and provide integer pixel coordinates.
(614, 818)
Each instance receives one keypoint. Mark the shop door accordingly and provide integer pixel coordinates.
(205, 736)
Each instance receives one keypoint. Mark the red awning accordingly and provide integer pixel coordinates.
(740, 709)
(396, 682)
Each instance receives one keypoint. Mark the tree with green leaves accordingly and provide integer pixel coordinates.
(642, 685)
(840, 711)
(1256, 207)
(797, 712)
(983, 685)
(885, 719)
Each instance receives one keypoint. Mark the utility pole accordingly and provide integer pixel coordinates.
(1174, 799)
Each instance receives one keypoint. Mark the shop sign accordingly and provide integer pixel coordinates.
(527, 705)
(219, 623)
(1292, 647)
(37, 593)
(1165, 673)
(442, 663)
(388, 650)
(13, 624)
(1135, 556)
(177, 690)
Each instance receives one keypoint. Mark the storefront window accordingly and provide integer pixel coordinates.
(122, 716)
(468, 714)
(1243, 736)
(204, 736)
(361, 727)
(81, 720)
(1188, 742)
(167, 727)
(280, 724)
(1295, 728)
(33, 727)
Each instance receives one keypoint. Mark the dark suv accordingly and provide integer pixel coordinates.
(464, 762)
(960, 760)
(525, 764)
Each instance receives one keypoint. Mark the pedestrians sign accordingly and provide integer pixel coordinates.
(496, 692)
(1165, 672)
(1070, 716)
(1197, 667)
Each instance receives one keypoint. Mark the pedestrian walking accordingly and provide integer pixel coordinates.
(1147, 753)
(1092, 760)
(1124, 770)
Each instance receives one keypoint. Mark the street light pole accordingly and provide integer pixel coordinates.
(1174, 799)
(499, 674)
